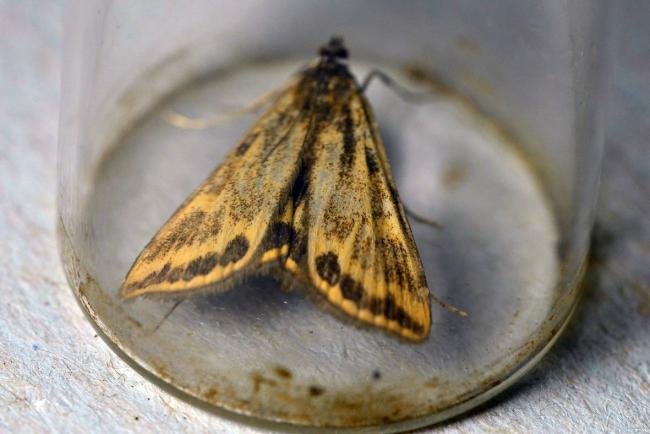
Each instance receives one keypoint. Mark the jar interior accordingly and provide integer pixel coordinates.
(259, 350)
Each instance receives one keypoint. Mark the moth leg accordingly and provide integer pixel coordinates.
(164, 318)
(421, 219)
(403, 92)
(449, 307)
(181, 121)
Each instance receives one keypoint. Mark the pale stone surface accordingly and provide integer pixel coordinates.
(57, 376)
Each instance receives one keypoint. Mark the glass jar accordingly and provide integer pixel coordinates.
(505, 155)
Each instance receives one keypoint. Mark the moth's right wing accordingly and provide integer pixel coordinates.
(232, 221)
(353, 244)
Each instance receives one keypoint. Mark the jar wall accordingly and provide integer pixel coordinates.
(538, 70)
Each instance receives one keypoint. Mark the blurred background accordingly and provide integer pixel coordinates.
(56, 375)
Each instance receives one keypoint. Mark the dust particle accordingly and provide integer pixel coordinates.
(316, 391)
(283, 372)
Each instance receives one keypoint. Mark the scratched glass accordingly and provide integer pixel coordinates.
(505, 155)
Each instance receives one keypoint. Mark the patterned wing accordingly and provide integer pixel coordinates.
(234, 220)
(353, 242)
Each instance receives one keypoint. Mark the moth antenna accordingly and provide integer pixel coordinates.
(181, 121)
(403, 92)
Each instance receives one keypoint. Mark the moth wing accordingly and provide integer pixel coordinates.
(223, 227)
(360, 254)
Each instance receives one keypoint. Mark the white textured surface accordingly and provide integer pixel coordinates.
(56, 375)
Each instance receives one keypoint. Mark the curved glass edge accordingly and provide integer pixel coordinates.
(77, 277)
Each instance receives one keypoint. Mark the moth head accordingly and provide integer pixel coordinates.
(333, 50)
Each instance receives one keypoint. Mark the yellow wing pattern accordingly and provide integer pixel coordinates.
(221, 228)
(307, 191)
(353, 242)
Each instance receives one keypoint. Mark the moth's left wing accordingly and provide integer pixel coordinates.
(353, 243)
(237, 219)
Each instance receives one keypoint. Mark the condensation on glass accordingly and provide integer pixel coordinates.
(505, 155)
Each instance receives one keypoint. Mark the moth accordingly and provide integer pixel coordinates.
(307, 194)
